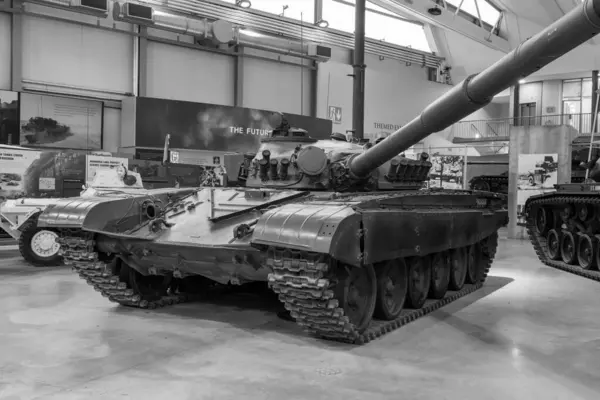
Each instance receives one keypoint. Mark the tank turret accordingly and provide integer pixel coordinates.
(320, 165)
(289, 158)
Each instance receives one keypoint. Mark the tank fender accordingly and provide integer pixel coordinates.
(94, 214)
(390, 234)
(322, 228)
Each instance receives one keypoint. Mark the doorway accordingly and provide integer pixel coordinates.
(528, 114)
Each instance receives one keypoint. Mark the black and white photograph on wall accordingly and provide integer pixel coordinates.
(60, 122)
(211, 127)
(537, 174)
(9, 117)
(447, 171)
(537, 171)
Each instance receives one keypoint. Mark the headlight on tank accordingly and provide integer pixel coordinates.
(121, 171)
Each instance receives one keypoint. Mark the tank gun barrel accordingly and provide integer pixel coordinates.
(575, 28)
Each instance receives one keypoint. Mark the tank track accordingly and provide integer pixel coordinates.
(78, 251)
(300, 280)
(540, 243)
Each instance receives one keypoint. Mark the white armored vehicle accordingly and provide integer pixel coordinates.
(19, 217)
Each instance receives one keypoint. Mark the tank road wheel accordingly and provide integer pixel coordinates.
(440, 275)
(568, 248)
(39, 246)
(458, 268)
(419, 281)
(586, 252)
(474, 261)
(149, 287)
(543, 220)
(553, 245)
(356, 292)
(392, 286)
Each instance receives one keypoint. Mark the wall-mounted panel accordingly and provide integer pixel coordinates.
(182, 73)
(270, 85)
(208, 127)
(111, 137)
(5, 51)
(60, 122)
(69, 54)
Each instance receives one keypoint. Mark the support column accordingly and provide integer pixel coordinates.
(314, 89)
(17, 48)
(594, 97)
(318, 10)
(238, 86)
(142, 63)
(358, 94)
(516, 105)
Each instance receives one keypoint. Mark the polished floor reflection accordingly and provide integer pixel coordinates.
(532, 332)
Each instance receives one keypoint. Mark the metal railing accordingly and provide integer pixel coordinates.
(491, 128)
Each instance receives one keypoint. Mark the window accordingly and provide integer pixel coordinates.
(296, 9)
(387, 28)
(489, 13)
(577, 103)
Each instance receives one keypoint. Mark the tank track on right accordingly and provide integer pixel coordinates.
(300, 279)
(540, 243)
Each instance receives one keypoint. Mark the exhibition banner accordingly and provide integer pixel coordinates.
(60, 122)
(537, 174)
(9, 117)
(93, 163)
(200, 126)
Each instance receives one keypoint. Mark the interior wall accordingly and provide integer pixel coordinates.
(276, 86)
(67, 54)
(181, 73)
(547, 95)
(5, 51)
(394, 94)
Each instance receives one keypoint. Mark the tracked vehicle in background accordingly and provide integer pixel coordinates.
(39, 245)
(345, 237)
(564, 226)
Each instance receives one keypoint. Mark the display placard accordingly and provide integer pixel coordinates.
(538, 173)
(14, 163)
(93, 163)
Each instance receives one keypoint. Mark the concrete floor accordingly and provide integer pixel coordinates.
(532, 332)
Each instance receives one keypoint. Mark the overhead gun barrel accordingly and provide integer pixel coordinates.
(567, 33)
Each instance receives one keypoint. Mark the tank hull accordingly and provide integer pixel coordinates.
(295, 241)
(564, 228)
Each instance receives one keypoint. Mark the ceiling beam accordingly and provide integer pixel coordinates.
(446, 20)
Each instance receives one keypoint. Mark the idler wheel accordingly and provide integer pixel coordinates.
(568, 248)
(392, 286)
(474, 263)
(586, 252)
(553, 245)
(440, 275)
(543, 220)
(458, 268)
(356, 292)
(149, 287)
(419, 281)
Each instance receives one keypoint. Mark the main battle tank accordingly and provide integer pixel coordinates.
(564, 226)
(343, 235)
